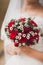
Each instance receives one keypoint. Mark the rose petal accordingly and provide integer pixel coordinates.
(22, 19)
(11, 23)
(32, 22)
(13, 34)
(16, 44)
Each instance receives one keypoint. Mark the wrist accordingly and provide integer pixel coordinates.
(26, 50)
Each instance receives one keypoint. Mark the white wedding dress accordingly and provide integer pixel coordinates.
(20, 59)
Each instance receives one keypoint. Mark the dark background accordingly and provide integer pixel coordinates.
(3, 8)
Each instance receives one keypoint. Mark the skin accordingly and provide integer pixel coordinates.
(31, 9)
(11, 50)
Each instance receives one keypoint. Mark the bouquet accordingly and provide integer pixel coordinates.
(23, 32)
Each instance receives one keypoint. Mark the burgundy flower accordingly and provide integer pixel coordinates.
(32, 22)
(22, 19)
(16, 44)
(13, 34)
(11, 23)
(37, 31)
(27, 29)
(30, 41)
(23, 40)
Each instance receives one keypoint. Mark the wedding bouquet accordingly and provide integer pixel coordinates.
(23, 31)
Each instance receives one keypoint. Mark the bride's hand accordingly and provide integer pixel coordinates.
(22, 50)
(11, 50)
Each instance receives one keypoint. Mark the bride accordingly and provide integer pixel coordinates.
(23, 55)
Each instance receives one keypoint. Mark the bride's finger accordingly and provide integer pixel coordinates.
(10, 50)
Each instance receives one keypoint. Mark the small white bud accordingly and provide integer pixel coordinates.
(17, 37)
(28, 36)
(16, 41)
(34, 41)
(24, 35)
(19, 44)
(26, 24)
(16, 23)
(23, 44)
(32, 33)
(35, 28)
(19, 34)
(35, 33)
(11, 28)
(20, 23)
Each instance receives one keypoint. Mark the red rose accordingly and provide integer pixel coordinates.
(30, 41)
(13, 34)
(10, 31)
(37, 31)
(16, 44)
(22, 19)
(32, 22)
(23, 40)
(11, 23)
(27, 29)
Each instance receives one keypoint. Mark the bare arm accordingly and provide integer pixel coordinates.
(35, 54)
(25, 50)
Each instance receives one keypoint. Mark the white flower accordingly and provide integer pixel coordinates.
(19, 44)
(22, 30)
(35, 28)
(20, 23)
(16, 41)
(36, 38)
(32, 33)
(26, 25)
(19, 34)
(23, 44)
(20, 27)
(16, 23)
(34, 41)
(35, 33)
(28, 36)
(17, 37)
(24, 35)
(11, 28)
